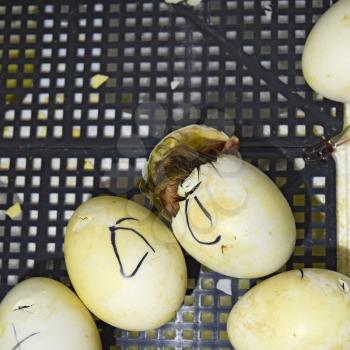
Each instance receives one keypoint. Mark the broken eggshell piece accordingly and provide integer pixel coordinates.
(225, 212)
(41, 314)
(300, 309)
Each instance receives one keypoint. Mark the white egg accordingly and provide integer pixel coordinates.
(326, 56)
(41, 314)
(234, 219)
(124, 263)
(301, 309)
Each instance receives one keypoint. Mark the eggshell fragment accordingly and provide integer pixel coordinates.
(14, 211)
(98, 80)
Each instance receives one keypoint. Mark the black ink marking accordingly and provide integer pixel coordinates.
(192, 190)
(180, 198)
(14, 331)
(124, 219)
(342, 285)
(204, 210)
(113, 230)
(215, 168)
(83, 218)
(23, 307)
(18, 343)
(135, 231)
(302, 273)
(223, 247)
(217, 239)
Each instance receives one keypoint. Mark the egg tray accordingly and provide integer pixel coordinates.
(238, 64)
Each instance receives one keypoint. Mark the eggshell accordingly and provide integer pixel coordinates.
(234, 220)
(300, 309)
(41, 314)
(326, 56)
(124, 263)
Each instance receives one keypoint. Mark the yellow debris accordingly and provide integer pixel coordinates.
(8, 132)
(14, 210)
(76, 132)
(60, 98)
(42, 115)
(45, 100)
(94, 98)
(88, 165)
(42, 131)
(97, 80)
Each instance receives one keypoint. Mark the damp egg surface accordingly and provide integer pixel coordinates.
(234, 219)
(300, 309)
(41, 314)
(124, 263)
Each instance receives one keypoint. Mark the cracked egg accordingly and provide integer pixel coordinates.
(224, 212)
(41, 313)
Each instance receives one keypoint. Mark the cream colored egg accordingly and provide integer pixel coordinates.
(41, 314)
(124, 263)
(234, 219)
(301, 309)
(326, 56)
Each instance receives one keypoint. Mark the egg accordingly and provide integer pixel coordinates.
(236, 221)
(124, 263)
(299, 309)
(41, 314)
(326, 55)
(226, 213)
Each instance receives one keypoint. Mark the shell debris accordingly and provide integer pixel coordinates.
(14, 211)
(98, 80)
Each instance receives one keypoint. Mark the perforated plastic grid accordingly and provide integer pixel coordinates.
(252, 81)
(52, 183)
(238, 64)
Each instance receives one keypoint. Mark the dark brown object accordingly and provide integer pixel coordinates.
(161, 186)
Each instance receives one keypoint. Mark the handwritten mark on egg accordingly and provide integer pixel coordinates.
(204, 210)
(223, 247)
(19, 342)
(343, 286)
(82, 222)
(113, 231)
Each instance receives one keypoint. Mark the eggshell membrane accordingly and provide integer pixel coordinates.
(326, 56)
(154, 294)
(248, 211)
(49, 315)
(292, 312)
